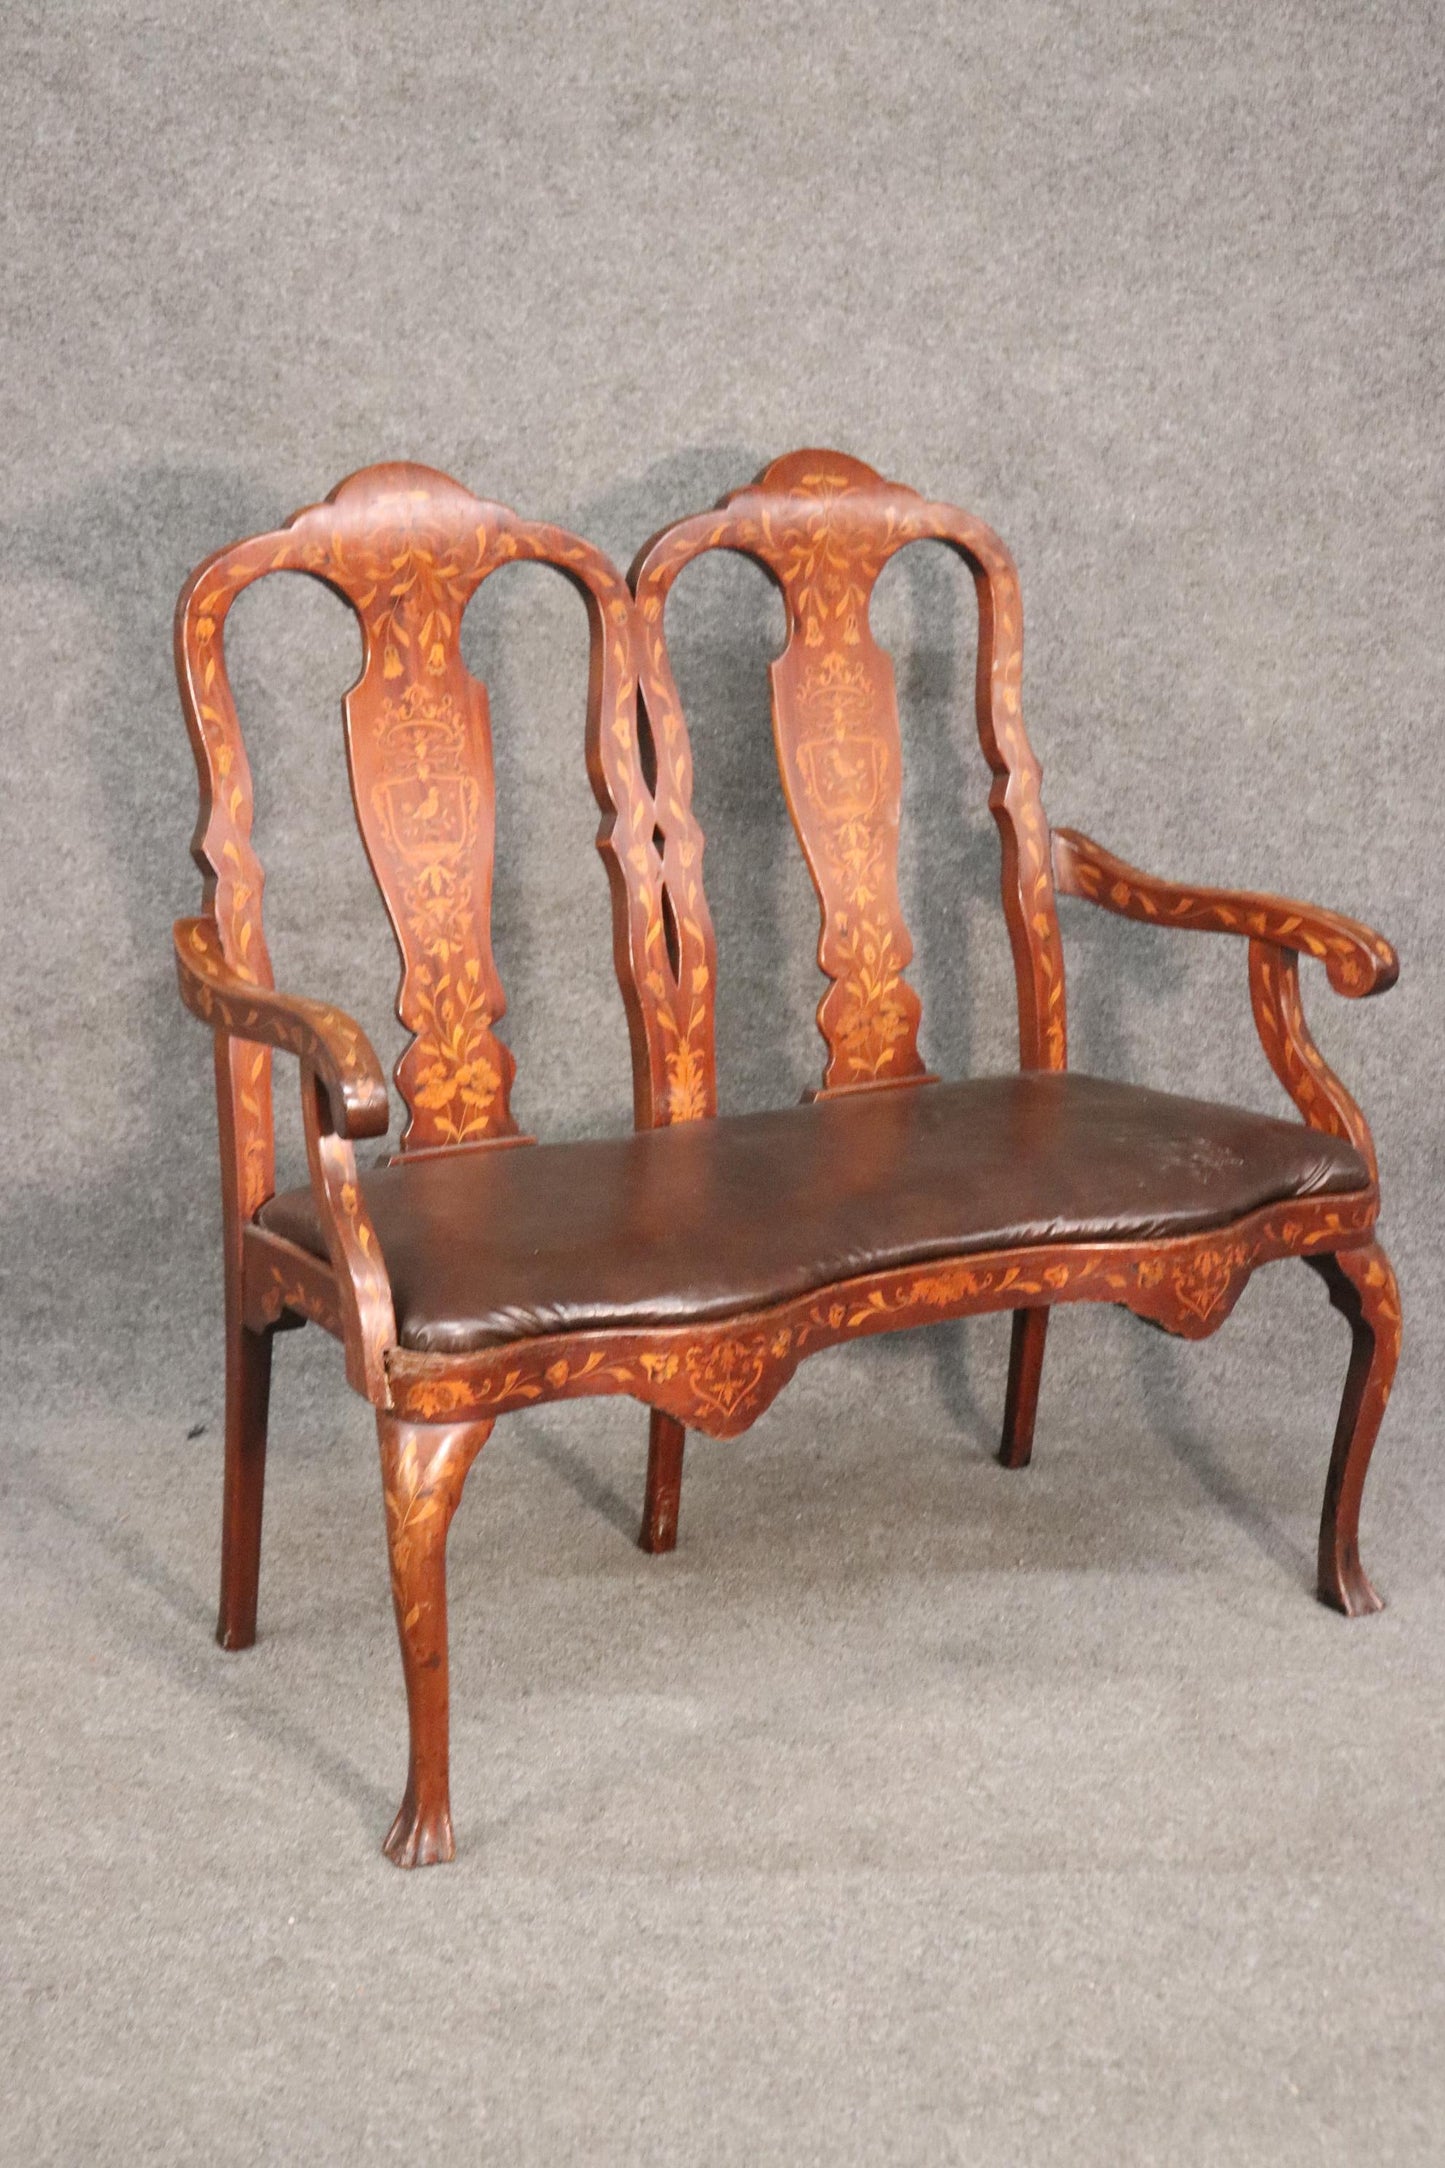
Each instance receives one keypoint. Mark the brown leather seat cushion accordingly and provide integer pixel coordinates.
(712, 1218)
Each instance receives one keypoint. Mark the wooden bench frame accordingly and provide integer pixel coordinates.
(406, 548)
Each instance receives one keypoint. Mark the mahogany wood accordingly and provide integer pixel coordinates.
(1357, 959)
(328, 1043)
(824, 526)
(663, 1495)
(423, 1468)
(1362, 1288)
(248, 1392)
(1021, 1401)
(406, 548)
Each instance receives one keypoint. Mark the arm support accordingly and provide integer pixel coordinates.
(329, 1044)
(343, 1096)
(1358, 961)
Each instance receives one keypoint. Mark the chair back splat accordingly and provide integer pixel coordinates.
(407, 548)
(824, 526)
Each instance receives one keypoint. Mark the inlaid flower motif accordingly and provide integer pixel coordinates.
(724, 1376)
(686, 1091)
(1202, 1280)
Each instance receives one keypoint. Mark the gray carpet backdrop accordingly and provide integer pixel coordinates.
(912, 1812)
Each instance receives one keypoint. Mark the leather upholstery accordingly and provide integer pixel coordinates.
(710, 1218)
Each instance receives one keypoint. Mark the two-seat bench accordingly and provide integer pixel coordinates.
(694, 1263)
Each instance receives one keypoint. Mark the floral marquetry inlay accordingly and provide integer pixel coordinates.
(407, 548)
(1357, 960)
(419, 737)
(847, 775)
(720, 1377)
(825, 526)
(428, 803)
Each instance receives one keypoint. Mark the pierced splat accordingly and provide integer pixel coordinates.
(407, 548)
(824, 526)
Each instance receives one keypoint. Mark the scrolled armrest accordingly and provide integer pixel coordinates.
(328, 1042)
(1357, 960)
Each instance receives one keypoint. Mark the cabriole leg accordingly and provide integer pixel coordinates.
(663, 1496)
(1362, 1288)
(248, 1394)
(423, 1468)
(1021, 1402)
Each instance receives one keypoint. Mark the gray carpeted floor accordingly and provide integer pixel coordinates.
(913, 1811)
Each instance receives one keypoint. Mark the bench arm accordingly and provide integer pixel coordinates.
(1357, 959)
(343, 1096)
(330, 1044)
(1279, 933)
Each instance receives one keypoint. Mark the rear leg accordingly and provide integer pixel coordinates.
(1021, 1402)
(248, 1396)
(1362, 1288)
(663, 1496)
